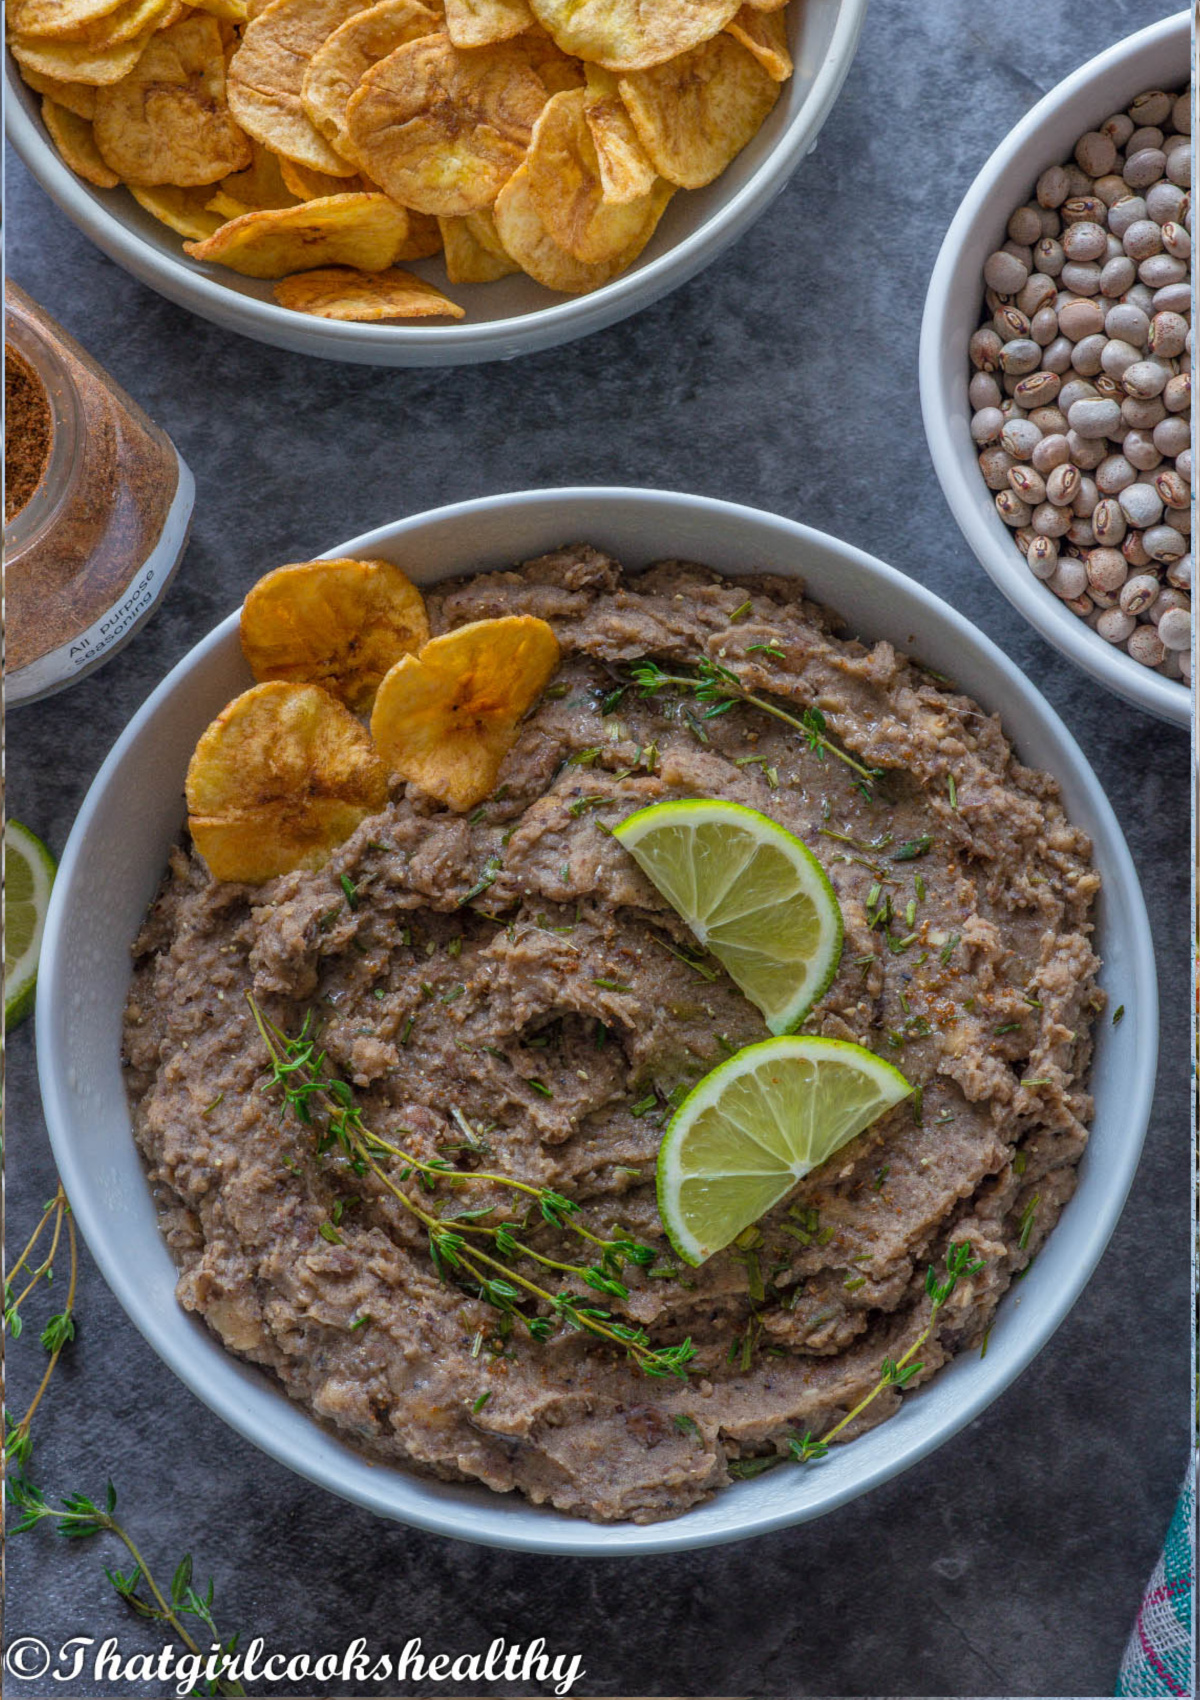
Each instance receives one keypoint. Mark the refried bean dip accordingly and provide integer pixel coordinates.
(552, 1015)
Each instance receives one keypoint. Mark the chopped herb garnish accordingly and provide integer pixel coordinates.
(611, 985)
(407, 1029)
(328, 1232)
(644, 1105)
(597, 798)
(360, 1322)
(452, 995)
(880, 1176)
(853, 1283)
(919, 887)
(487, 878)
(540, 1087)
(775, 650)
(1008, 1027)
(1118, 1013)
(1020, 1163)
(351, 890)
(740, 613)
(948, 949)
(686, 1424)
(209, 1108)
(915, 847)
(1027, 1221)
(481, 1401)
(952, 789)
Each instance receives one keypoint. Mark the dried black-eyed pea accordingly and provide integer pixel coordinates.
(1012, 510)
(1138, 593)
(1177, 396)
(1051, 452)
(1042, 555)
(1062, 486)
(1115, 625)
(1146, 646)
(1109, 523)
(1050, 521)
(1028, 484)
(1080, 532)
(1134, 550)
(1069, 579)
(987, 424)
(1107, 569)
(1175, 491)
(984, 349)
(994, 464)
(1164, 543)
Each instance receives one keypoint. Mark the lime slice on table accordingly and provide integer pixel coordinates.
(28, 876)
(756, 1125)
(752, 893)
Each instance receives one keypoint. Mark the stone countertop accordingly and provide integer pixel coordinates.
(784, 376)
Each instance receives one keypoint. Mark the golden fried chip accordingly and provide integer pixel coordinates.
(72, 136)
(526, 238)
(365, 298)
(628, 35)
(340, 624)
(278, 781)
(765, 34)
(443, 130)
(565, 186)
(445, 719)
(167, 121)
(79, 98)
(131, 19)
(478, 23)
(767, 5)
(697, 113)
(189, 212)
(78, 61)
(305, 184)
(625, 169)
(340, 63)
(469, 257)
(267, 73)
(230, 11)
(558, 70)
(366, 231)
(261, 186)
(57, 17)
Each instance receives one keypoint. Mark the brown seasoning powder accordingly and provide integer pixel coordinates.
(122, 487)
(28, 431)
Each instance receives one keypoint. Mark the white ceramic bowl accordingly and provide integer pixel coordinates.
(1157, 57)
(513, 316)
(115, 858)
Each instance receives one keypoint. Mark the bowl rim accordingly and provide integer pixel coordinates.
(508, 1520)
(954, 460)
(186, 283)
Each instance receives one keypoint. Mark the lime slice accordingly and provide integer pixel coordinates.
(758, 1124)
(28, 876)
(752, 893)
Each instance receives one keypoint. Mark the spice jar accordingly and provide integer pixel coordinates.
(97, 507)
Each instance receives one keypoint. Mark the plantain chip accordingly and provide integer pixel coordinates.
(73, 137)
(479, 23)
(765, 34)
(366, 231)
(79, 98)
(443, 130)
(304, 184)
(77, 61)
(697, 113)
(565, 186)
(339, 624)
(365, 298)
(133, 19)
(445, 719)
(57, 17)
(526, 238)
(229, 11)
(474, 253)
(189, 212)
(340, 63)
(267, 72)
(628, 35)
(167, 121)
(558, 70)
(625, 169)
(261, 185)
(278, 781)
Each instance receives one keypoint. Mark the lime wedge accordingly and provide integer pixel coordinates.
(752, 893)
(755, 1126)
(28, 876)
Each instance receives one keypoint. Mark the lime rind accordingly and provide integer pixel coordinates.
(739, 1143)
(29, 871)
(751, 892)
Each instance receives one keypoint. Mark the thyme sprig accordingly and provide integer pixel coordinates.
(898, 1372)
(720, 688)
(60, 1328)
(81, 1518)
(307, 1086)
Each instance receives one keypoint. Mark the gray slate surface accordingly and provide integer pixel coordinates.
(785, 376)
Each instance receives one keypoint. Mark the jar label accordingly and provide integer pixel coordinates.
(84, 652)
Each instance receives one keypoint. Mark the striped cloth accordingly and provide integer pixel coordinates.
(1158, 1659)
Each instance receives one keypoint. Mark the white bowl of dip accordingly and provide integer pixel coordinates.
(514, 315)
(113, 864)
(1157, 57)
